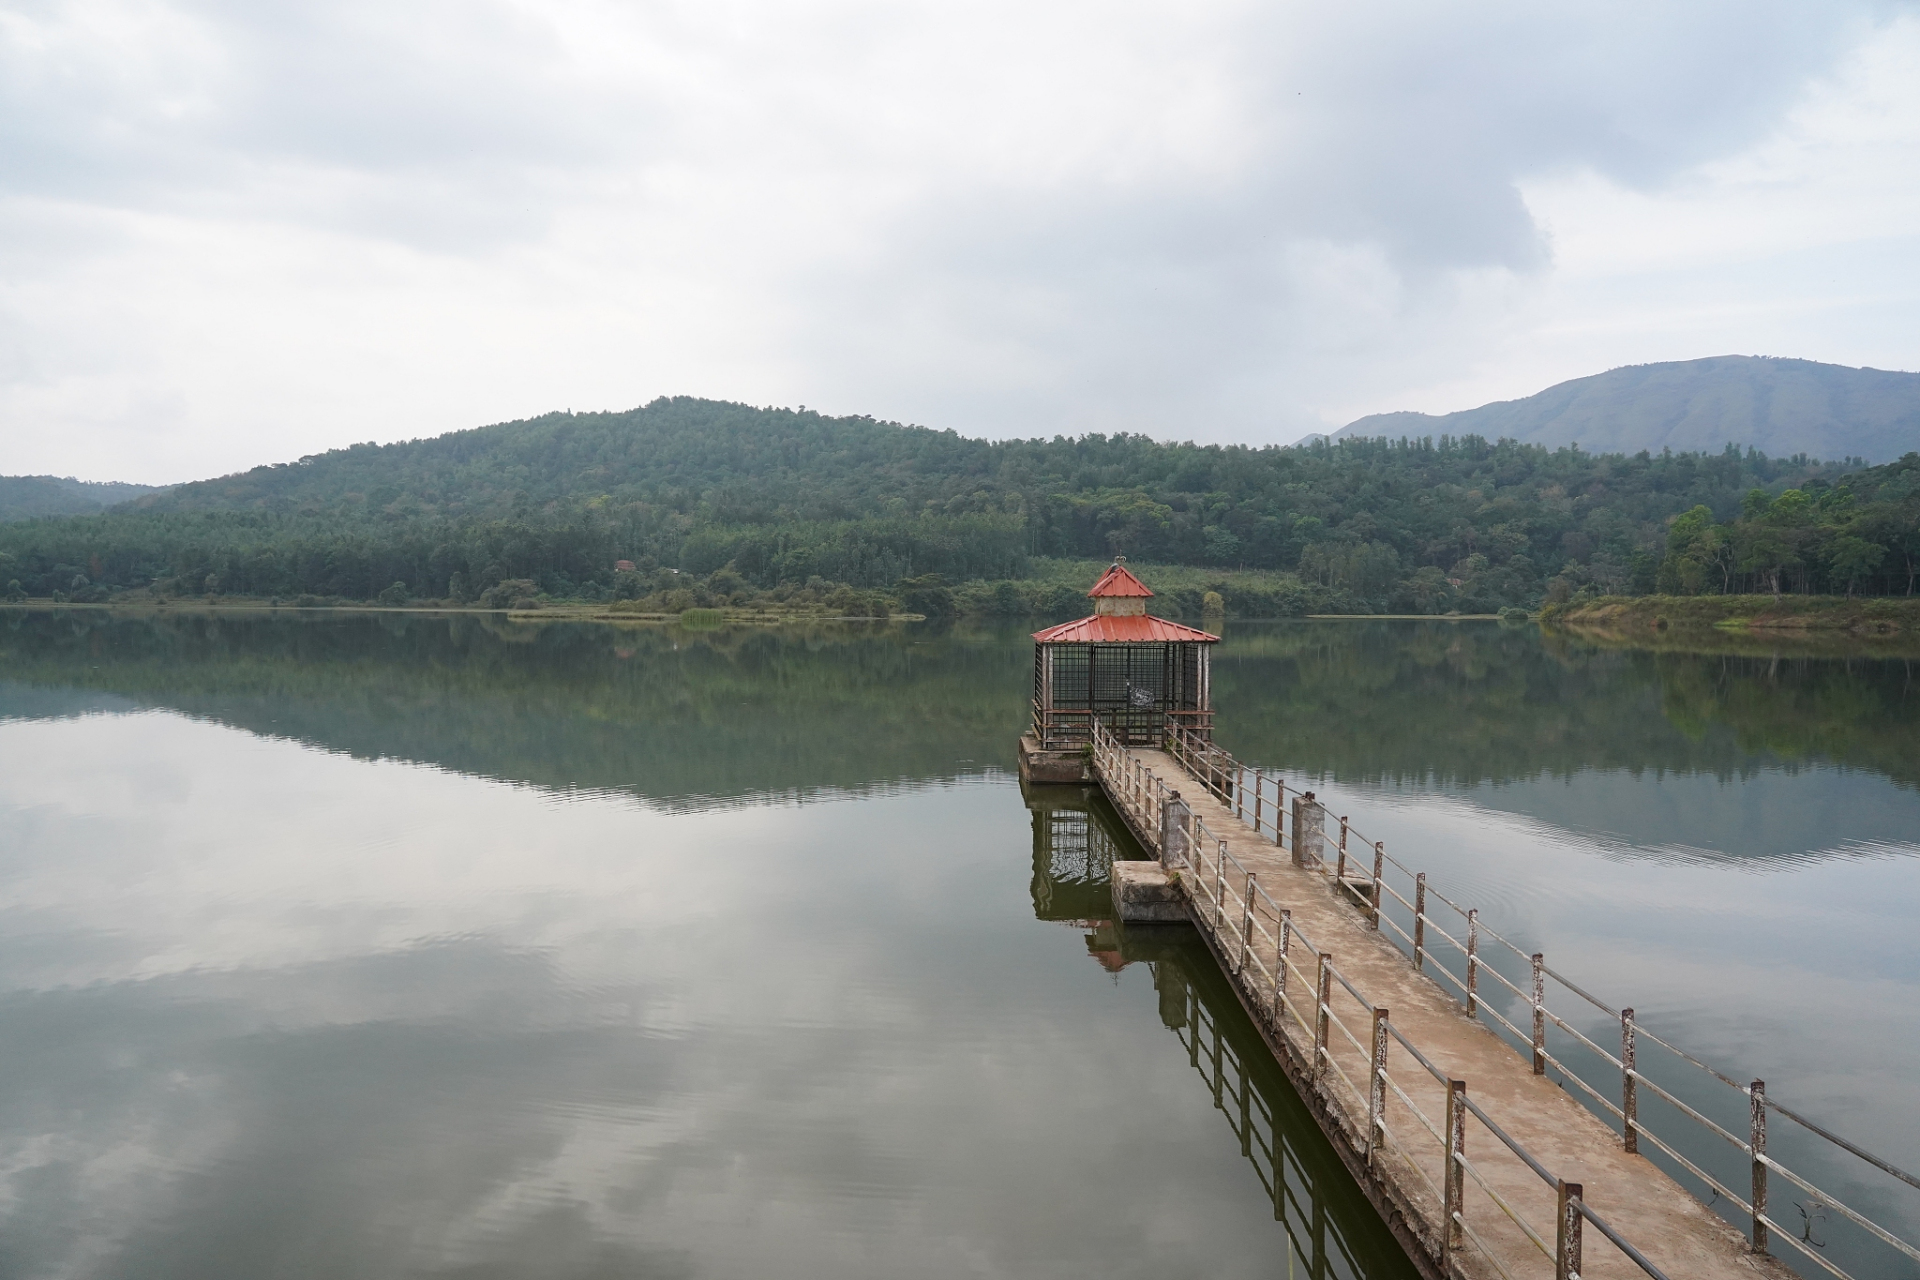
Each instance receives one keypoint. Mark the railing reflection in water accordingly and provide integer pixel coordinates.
(1331, 1230)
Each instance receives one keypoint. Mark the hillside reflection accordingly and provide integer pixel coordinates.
(1329, 1226)
(688, 720)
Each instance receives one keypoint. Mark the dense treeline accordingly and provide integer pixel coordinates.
(1859, 534)
(775, 499)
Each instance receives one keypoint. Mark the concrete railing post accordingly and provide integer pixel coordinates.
(1567, 1222)
(1309, 832)
(1175, 818)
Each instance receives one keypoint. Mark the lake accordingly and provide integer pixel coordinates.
(441, 946)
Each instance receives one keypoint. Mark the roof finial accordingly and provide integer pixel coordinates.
(1119, 559)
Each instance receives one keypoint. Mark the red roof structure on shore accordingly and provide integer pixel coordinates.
(1119, 581)
(1136, 629)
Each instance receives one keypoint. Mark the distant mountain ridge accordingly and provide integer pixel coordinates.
(24, 497)
(1782, 407)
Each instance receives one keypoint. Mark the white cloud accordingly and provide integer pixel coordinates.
(236, 233)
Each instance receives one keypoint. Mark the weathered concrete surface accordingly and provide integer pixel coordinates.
(1145, 893)
(1655, 1213)
(1051, 766)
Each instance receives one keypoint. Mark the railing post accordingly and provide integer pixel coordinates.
(1567, 1222)
(1455, 1180)
(1340, 871)
(1758, 1095)
(1219, 886)
(1174, 820)
(1280, 967)
(1473, 962)
(1246, 925)
(1259, 780)
(1629, 1088)
(1420, 921)
(1322, 1011)
(1310, 840)
(1539, 1015)
(1379, 870)
(1239, 791)
(1377, 1087)
(1279, 812)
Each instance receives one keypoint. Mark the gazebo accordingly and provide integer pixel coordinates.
(1135, 673)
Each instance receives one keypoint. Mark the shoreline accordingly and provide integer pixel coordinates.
(1760, 615)
(560, 613)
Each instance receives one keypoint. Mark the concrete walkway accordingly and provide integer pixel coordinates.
(1658, 1216)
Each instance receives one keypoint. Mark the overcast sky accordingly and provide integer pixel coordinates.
(235, 231)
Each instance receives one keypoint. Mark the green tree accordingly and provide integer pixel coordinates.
(1854, 558)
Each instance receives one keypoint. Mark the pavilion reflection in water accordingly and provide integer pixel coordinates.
(1333, 1233)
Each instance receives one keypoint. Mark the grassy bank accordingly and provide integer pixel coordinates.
(1651, 615)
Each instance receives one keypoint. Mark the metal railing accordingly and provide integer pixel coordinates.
(1363, 874)
(1261, 946)
(1070, 728)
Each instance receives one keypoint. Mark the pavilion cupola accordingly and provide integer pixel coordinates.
(1119, 594)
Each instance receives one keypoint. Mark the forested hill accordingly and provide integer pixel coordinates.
(736, 463)
(742, 498)
(1781, 407)
(23, 497)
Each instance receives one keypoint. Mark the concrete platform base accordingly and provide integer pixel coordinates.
(1144, 893)
(1052, 766)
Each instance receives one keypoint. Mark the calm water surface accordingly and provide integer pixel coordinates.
(414, 946)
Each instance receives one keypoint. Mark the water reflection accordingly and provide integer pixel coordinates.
(1330, 1228)
(242, 858)
(683, 720)
(693, 719)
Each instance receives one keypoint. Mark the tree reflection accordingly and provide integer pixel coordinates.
(1331, 1229)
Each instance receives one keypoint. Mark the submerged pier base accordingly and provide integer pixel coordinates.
(1038, 765)
(1147, 893)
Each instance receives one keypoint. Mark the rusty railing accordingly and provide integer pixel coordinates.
(1364, 874)
(1306, 1007)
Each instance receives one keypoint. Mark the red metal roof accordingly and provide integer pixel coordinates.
(1117, 581)
(1138, 628)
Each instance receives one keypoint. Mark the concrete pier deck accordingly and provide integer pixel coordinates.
(1404, 1175)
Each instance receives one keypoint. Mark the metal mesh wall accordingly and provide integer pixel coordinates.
(1132, 688)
